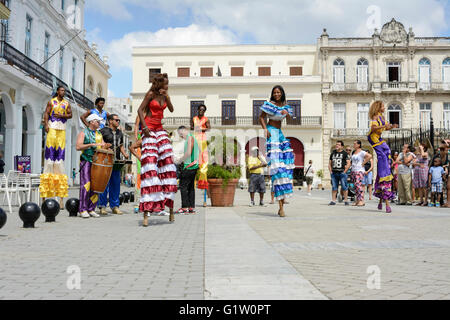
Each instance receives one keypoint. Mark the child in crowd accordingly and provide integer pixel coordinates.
(435, 178)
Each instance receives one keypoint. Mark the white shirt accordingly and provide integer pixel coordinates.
(311, 171)
(357, 162)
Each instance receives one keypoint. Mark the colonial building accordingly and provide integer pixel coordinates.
(96, 74)
(42, 46)
(233, 82)
(410, 74)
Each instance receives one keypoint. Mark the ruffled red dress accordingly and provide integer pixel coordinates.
(158, 172)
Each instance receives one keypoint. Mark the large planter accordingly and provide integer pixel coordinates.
(222, 195)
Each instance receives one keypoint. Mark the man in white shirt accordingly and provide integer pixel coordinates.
(309, 175)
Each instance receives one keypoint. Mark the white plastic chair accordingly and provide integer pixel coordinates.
(4, 188)
(35, 183)
(13, 185)
(24, 185)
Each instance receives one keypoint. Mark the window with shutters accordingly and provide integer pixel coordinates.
(152, 73)
(446, 73)
(296, 71)
(363, 116)
(446, 116)
(183, 72)
(424, 74)
(237, 71)
(339, 115)
(339, 71)
(257, 110)
(229, 112)
(296, 118)
(194, 107)
(425, 115)
(362, 71)
(206, 72)
(264, 71)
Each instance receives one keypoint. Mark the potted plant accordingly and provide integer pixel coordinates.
(223, 173)
(320, 176)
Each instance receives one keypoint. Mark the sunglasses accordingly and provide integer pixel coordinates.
(117, 120)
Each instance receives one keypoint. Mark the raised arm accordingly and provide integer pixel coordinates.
(84, 116)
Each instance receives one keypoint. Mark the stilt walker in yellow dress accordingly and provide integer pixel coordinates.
(54, 182)
(200, 124)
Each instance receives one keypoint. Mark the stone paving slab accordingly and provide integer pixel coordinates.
(239, 264)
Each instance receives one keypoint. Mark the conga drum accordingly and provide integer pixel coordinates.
(101, 170)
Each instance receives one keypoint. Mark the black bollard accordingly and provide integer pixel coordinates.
(29, 213)
(50, 209)
(121, 198)
(3, 218)
(132, 197)
(73, 206)
(126, 196)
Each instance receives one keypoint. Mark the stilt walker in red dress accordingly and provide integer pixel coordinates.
(158, 172)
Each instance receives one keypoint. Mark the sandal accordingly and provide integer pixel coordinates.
(192, 210)
(182, 211)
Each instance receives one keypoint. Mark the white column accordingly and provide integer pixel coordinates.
(34, 143)
(68, 152)
(243, 180)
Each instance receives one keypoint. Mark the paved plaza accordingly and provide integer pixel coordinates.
(316, 252)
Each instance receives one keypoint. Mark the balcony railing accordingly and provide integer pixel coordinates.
(353, 87)
(309, 121)
(358, 133)
(394, 86)
(16, 58)
(434, 86)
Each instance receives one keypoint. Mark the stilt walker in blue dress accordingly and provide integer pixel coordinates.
(279, 152)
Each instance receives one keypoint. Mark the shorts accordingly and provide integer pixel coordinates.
(309, 180)
(436, 187)
(257, 183)
(339, 177)
(368, 179)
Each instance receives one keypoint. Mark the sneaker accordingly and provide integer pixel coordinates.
(438, 204)
(261, 204)
(93, 214)
(332, 203)
(85, 215)
(192, 211)
(347, 203)
(103, 212)
(252, 204)
(431, 204)
(181, 211)
(117, 211)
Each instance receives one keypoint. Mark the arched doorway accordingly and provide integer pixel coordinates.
(299, 153)
(256, 142)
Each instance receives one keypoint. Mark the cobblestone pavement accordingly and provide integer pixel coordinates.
(316, 252)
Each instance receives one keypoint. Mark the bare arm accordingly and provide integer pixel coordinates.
(48, 110)
(262, 121)
(84, 116)
(80, 143)
(133, 147)
(136, 128)
(141, 112)
(208, 126)
(189, 149)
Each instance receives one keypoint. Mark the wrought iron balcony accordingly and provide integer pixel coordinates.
(305, 122)
(16, 58)
(360, 133)
(433, 86)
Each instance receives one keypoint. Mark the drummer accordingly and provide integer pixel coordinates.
(88, 141)
(113, 135)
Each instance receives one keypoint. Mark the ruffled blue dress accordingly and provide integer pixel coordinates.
(279, 153)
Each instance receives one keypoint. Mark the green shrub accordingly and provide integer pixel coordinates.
(223, 172)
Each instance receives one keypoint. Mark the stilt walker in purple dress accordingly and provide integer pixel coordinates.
(383, 182)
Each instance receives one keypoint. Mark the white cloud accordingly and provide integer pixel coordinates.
(119, 51)
(111, 93)
(294, 21)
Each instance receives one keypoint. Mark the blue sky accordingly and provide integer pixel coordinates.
(118, 25)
